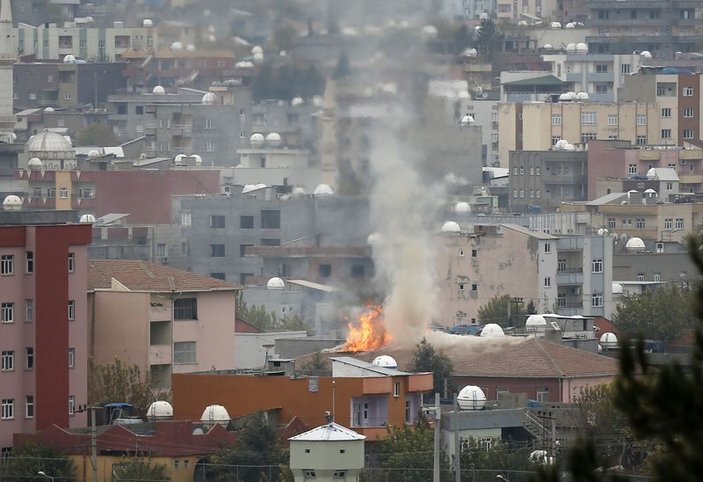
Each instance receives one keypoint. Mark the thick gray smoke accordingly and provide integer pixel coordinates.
(402, 208)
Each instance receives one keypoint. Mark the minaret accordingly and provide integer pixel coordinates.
(8, 56)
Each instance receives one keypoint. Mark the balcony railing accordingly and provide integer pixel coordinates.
(160, 355)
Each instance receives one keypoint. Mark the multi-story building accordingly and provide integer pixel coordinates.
(599, 75)
(43, 321)
(83, 41)
(66, 85)
(657, 266)
(221, 233)
(542, 180)
(662, 27)
(678, 97)
(538, 126)
(160, 318)
(467, 9)
(187, 122)
(528, 9)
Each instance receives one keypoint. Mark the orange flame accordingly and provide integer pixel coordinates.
(371, 334)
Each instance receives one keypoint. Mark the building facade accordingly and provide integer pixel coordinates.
(44, 324)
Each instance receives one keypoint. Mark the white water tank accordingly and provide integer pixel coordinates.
(471, 398)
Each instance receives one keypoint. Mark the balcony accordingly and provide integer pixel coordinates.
(160, 355)
(600, 77)
(570, 276)
(160, 312)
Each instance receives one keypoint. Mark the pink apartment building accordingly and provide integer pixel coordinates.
(162, 319)
(43, 329)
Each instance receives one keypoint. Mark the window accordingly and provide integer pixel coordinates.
(547, 281)
(625, 68)
(688, 91)
(687, 112)
(640, 276)
(218, 275)
(601, 68)
(688, 133)
(679, 223)
(217, 250)
(597, 299)
(514, 192)
(668, 224)
(308, 474)
(246, 222)
(611, 223)
(29, 262)
(657, 277)
(641, 120)
(612, 119)
(71, 357)
(71, 404)
(639, 223)
(561, 300)
(185, 309)
(324, 270)
(7, 312)
(270, 219)
(7, 264)
(474, 253)
(543, 395)
(7, 361)
(217, 221)
(474, 287)
(641, 140)
(666, 134)
(555, 139)
(556, 119)
(358, 271)
(243, 249)
(588, 118)
(71, 310)
(588, 136)
(29, 406)
(161, 250)
(666, 112)
(29, 310)
(71, 262)
(209, 146)
(598, 265)
(37, 192)
(63, 193)
(522, 193)
(340, 475)
(184, 352)
(8, 409)
(561, 265)
(29, 358)
(396, 389)
(408, 413)
(270, 242)
(208, 124)
(538, 171)
(186, 218)
(547, 247)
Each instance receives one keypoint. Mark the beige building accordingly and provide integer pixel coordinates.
(538, 126)
(162, 319)
(494, 260)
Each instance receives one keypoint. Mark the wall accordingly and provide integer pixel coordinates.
(178, 469)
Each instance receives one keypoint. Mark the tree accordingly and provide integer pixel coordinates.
(121, 382)
(407, 453)
(139, 469)
(315, 366)
(30, 458)
(503, 310)
(426, 359)
(661, 314)
(488, 38)
(663, 406)
(96, 135)
(343, 67)
(484, 460)
(266, 320)
(254, 452)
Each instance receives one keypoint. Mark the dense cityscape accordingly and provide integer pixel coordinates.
(314, 240)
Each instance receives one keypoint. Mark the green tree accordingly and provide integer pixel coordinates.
(503, 310)
(30, 458)
(266, 320)
(121, 382)
(662, 314)
(139, 469)
(255, 450)
(426, 359)
(96, 135)
(488, 38)
(482, 461)
(315, 366)
(663, 406)
(407, 453)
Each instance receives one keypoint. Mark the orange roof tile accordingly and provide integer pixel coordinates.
(139, 275)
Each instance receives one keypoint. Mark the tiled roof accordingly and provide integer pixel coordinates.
(507, 357)
(142, 276)
(331, 431)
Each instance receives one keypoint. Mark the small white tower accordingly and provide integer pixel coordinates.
(8, 56)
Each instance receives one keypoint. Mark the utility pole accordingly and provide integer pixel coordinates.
(93, 444)
(457, 441)
(437, 414)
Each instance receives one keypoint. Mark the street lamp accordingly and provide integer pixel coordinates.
(500, 477)
(43, 474)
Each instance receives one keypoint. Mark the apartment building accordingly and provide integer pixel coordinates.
(528, 9)
(678, 96)
(661, 27)
(538, 126)
(83, 40)
(542, 180)
(160, 318)
(599, 75)
(43, 321)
